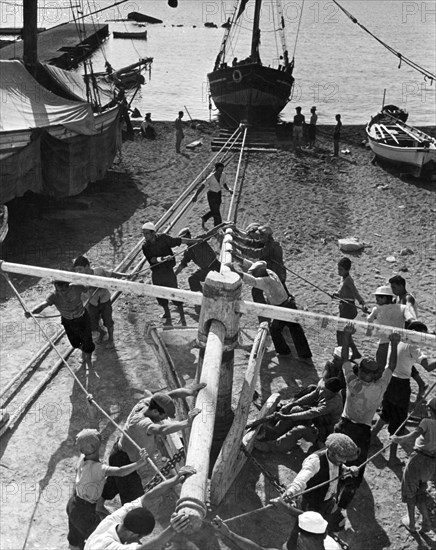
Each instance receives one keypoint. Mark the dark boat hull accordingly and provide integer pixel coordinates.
(134, 35)
(250, 92)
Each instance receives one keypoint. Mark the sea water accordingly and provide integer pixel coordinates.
(338, 67)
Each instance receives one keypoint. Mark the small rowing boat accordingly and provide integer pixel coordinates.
(395, 142)
(142, 35)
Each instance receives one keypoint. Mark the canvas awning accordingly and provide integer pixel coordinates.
(26, 104)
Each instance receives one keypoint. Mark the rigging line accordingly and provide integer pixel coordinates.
(298, 29)
(89, 396)
(406, 60)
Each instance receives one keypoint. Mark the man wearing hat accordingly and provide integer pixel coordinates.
(297, 129)
(396, 400)
(157, 248)
(420, 469)
(144, 425)
(260, 277)
(203, 255)
(322, 467)
(311, 534)
(125, 527)
(390, 314)
(90, 478)
(311, 417)
(365, 390)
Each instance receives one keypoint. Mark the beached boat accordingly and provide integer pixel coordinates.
(395, 142)
(142, 35)
(57, 133)
(247, 89)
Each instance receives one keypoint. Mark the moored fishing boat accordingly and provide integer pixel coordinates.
(395, 142)
(141, 35)
(248, 89)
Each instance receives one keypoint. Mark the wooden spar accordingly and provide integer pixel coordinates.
(231, 216)
(338, 323)
(25, 404)
(169, 371)
(218, 333)
(242, 306)
(231, 459)
(110, 283)
(193, 494)
(36, 357)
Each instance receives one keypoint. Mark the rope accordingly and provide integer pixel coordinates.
(298, 30)
(89, 397)
(402, 58)
(301, 493)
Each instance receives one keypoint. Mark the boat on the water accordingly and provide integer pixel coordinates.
(395, 142)
(141, 35)
(247, 89)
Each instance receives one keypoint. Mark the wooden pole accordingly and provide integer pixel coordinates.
(193, 494)
(241, 306)
(30, 35)
(218, 334)
(231, 459)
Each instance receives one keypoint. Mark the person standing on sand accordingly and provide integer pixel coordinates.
(179, 131)
(297, 130)
(157, 248)
(420, 469)
(259, 276)
(337, 135)
(312, 128)
(365, 390)
(90, 478)
(215, 182)
(99, 304)
(144, 425)
(203, 255)
(348, 293)
(67, 298)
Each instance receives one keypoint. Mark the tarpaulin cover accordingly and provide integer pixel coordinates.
(56, 167)
(74, 84)
(26, 104)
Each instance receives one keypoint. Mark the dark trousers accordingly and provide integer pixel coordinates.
(214, 200)
(200, 275)
(79, 332)
(259, 298)
(299, 338)
(82, 520)
(361, 435)
(128, 487)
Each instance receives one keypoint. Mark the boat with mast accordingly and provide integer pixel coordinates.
(248, 89)
(58, 132)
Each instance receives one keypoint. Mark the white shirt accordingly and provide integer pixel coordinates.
(311, 466)
(105, 537)
(408, 355)
(213, 184)
(391, 315)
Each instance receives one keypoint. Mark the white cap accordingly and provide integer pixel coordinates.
(384, 290)
(260, 265)
(149, 226)
(312, 522)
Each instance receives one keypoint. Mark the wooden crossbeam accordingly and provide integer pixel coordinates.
(195, 298)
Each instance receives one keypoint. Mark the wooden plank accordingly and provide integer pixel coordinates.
(224, 473)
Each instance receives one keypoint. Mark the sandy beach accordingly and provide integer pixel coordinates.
(310, 199)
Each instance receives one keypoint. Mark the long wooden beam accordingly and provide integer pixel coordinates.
(261, 310)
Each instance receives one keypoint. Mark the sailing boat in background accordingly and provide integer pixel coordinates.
(247, 89)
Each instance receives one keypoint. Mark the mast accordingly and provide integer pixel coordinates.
(255, 38)
(30, 38)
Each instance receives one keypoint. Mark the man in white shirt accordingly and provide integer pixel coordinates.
(124, 528)
(215, 182)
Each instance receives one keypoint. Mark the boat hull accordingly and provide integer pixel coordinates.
(250, 92)
(134, 35)
(417, 159)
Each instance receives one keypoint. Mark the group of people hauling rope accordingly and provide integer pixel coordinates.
(336, 415)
